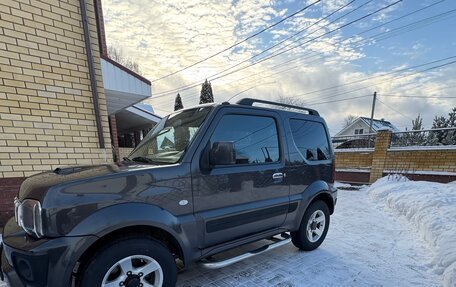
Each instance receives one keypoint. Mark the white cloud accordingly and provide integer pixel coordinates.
(164, 36)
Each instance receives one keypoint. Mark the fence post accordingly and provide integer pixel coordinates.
(382, 143)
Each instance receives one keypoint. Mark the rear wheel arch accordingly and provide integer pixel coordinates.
(326, 198)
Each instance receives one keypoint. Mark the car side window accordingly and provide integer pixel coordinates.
(255, 138)
(311, 139)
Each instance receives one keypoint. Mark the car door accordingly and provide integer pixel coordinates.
(236, 200)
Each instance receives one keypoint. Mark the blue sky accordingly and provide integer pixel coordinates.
(166, 36)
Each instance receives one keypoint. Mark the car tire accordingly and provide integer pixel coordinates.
(313, 228)
(129, 260)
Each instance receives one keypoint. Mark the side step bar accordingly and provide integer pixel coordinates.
(286, 238)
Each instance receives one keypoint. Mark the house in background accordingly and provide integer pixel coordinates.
(361, 126)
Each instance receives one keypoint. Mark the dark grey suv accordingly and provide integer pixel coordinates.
(205, 180)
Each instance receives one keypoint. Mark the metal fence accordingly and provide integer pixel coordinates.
(442, 137)
(364, 141)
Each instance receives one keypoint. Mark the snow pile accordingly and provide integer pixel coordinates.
(342, 185)
(431, 207)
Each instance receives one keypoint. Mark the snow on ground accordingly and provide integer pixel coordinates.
(431, 209)
(366, 246)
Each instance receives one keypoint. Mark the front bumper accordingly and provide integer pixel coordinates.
(39, 262)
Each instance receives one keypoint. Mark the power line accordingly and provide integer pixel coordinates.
(186, 87)
(393, 109)
(440, 88)
(419, 97)
(274, 55)
(240, 42)
(363, 32)
(389, 80)
(299, 32)
(340, 100)
(371, 29)
(377, 76)
(362, 40)
(311, 40)
(248, 89)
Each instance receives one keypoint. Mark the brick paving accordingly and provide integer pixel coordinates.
(365, 246)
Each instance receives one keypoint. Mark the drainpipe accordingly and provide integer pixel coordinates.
(93, 81)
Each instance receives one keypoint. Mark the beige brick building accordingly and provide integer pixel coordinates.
(50, 115)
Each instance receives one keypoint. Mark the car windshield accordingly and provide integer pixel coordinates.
(169, 139)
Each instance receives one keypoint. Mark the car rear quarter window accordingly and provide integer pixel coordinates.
(311, 139)
(255, 138)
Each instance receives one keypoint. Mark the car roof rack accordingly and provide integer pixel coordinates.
(250, 102)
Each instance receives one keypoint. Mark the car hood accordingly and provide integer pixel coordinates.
(36, 186)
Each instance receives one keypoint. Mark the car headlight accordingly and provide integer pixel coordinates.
(28, 216)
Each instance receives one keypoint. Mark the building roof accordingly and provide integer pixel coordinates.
(379, 124)
(137, 117)
(376, 125)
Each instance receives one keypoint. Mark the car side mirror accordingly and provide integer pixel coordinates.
(222, 153)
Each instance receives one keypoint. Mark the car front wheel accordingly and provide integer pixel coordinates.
(132, 262)
(313, 228)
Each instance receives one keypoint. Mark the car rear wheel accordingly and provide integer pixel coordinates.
(313, 228)
(132, 262)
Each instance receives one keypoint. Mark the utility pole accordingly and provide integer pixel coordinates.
(372, 113)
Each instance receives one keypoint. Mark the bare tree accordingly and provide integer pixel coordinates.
(118, 55)
(348, 120)
(294, 101)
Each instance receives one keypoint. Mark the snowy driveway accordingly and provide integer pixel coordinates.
(365, 246)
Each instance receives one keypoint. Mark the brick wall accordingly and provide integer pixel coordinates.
(46, 113)
(354, 159)
(124, 151)
(364, 166)
(8, 190)
(428, 160)
(47, 116)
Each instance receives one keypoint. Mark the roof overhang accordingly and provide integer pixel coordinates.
(135, 118)
(123, 87)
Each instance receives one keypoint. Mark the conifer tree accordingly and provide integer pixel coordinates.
(178, 103)
(417, 124)
(418, 138)
(206, 95)
(437, 137)
(450, 138)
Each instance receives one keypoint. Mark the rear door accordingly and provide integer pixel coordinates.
(247, 197)
(310, 154)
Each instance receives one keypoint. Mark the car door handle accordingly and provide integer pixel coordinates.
(278, 176)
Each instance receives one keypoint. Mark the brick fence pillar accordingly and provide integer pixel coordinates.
(382, 143)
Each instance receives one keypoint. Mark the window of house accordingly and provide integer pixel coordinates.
(255, 138)
(311, 139)
(359, 131)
